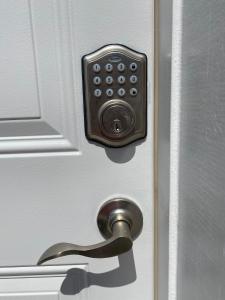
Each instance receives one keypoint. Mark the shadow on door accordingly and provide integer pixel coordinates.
(123, 275)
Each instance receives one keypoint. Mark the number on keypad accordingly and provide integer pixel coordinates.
(121, 92)
(133, 79)
(96, 80)
(97, 93)
(133, 66)
(109, 80)
(96, 68)
(133, 92)
(109, 92)
(109, 68)
(120, 67)
(121, 79)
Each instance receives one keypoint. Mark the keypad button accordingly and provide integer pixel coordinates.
(109, 80)
(121, 92)
(133, 92)
(121, 79)
(133, 79)
(133, 66)
(108, 67)
(97, 93)
(96, 68)
(109, 92)
(97, 80)
(121, 67)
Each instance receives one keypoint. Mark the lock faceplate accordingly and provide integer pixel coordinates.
(115, 95)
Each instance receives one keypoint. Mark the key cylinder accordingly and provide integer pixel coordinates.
(117, 119)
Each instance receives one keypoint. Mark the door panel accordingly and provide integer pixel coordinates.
(53, 180)
(44, 283)
(19, 97)
(50, 119)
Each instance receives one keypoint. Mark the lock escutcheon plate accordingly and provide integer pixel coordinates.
(119, 124)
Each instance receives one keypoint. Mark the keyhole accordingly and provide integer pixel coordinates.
(117, 126)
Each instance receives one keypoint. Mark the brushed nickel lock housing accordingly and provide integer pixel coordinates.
(115, 95)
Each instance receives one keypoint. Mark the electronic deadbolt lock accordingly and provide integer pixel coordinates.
(115, 95)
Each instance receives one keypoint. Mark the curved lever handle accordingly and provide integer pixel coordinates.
(119, 243)
(119, 220)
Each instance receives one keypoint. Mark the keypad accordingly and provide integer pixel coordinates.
(115, 95)
(116, 79)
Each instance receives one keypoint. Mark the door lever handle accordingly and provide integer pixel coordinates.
(119, 220)
(120, 242)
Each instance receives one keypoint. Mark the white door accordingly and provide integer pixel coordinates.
(53, 179)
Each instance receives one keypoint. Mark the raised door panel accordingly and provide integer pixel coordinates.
(19, 91)
(37, 99)
(44, 283)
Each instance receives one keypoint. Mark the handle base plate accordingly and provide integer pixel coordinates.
(119, 209)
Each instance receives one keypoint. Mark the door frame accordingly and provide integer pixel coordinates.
(162, 102)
